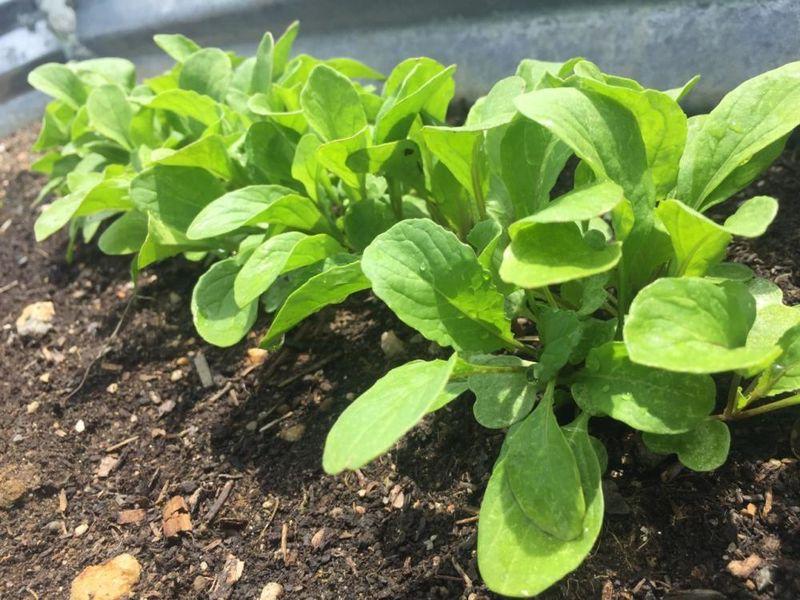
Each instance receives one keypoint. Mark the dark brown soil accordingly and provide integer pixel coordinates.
(401, 528)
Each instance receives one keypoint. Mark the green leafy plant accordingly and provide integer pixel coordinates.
(298, 184)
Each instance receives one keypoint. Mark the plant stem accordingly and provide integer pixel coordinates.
(730, 407)
(550, 298)
(760, 410)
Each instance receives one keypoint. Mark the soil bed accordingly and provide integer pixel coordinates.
(404, 527)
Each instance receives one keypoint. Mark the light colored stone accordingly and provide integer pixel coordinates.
(293, 433)
(80, 426)
(81, 529)
(111, 580)
(272, 591)
(393, 347)
(15, 482)
(32, 407)
(36, 319)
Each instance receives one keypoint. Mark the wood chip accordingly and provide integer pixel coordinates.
(219, 501)
(132, 516)
(108, 464)
(203, 371)
(62, 501)
(111, 580)
(232, 570)
(744, 568)
(318, 539)
(176, 518)
(767, 504)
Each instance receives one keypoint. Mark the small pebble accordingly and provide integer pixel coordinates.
(293, 433)
(176, 375)
(81, 529)
(80, 426)
(32, 407)
(112, 388)
(272, 591)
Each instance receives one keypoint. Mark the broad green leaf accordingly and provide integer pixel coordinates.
(365, 220)
(704, 448)
(56, 125)
(586, 295)
(400, 160)
(731, 270)
(176, 195)
(269, 153)
(543, 254)
(55, 215)
(353, 68)
(331, 104)
(110, 114)
(560, 332)
(178, 46)
(419, 92)
(698, 243)
(125, 235)
(239, 208)
(543, 474)
(163, 242)
(187, 103)
(209, 153)
(435, 284)
(784, 374)
(283, 47)
(277, 255)
(207, 72)
(333, 156)
(501, 398)
(581, 204)
(58, 81)
(534, 72)
(216, 315)
(331, 286)
(294, 119)
(765, 292)
(497, 107)
(753, 118)
(262, 69)
(594, 333)
(99, 71)
(384, 413)
(693, 325)
(515, 557)
(645, 398)
(772, 322)
(460, 150)
(601, 132)
(305, 167)
(661, 122)
(753, 217)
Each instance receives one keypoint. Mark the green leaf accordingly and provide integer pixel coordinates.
(560, 332)
(277, 255)
(58, 81)
(435, 284)
(497, 107)
(458, 148)
(543, 254)
(331, 104)
(753, 217)
(772, 322)
(501, 398)
(176, 195)
(125, 235)
(283, 47)
(55, 215)
(765, 292)
(400, 160)
(581, 204)
(594, 333)
(56, 123)
(261, 81)
(704, 448)
(207, 72)
(354, 69)
(515, 557)
(178, 46)
(242, 207)
(209, 153)
(784, 374)
(543, 475)
(216, 315)
(647, 399)
(680, 93)
(187, 103)
(698, 243)
(331, 286)
(269, 153)
(693, 325)
(110, 114)
(752, 119)
(384, 413)
(365, 220)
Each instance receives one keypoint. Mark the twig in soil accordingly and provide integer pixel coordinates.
(9, 286)
(220, 500)
(467, 520)
(285, 542)
(225, 389)
(275, 422)
(460, 571)
(270, 519)
(106, 346)
(309, 369)
(121, 444)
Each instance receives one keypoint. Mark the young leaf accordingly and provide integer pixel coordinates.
(515, 557)
(178, 46)
(110, 114)
(501, 398)
(262, 69)
(331, 286)
(435, 284)
(239, 208)
(305, 167)
(384, 413)
(561, 331)
(784, 374)
(283, 47)
(209, 153)
(269, 153)
(581, 204)
(277, 255)
(704, 448)
(207, 72)
(174, 194)
(216, 315)
(543, 254)
(125, 235)
(543, 475)
(99, 71)
(692, 325)
(753, 217)
(187, 103)
(697, 242)
(647, 399)
(59, 82)
(753, 118)
(331, 104)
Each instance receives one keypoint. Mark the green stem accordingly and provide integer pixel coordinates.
(550, 298)
(730, 407)
(760, 410)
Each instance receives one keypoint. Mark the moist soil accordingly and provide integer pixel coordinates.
(244, 450)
